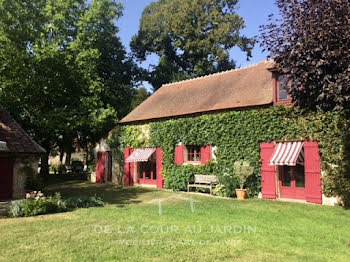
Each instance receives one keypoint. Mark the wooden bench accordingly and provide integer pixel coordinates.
(203, 181)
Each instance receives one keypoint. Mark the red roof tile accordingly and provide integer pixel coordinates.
(243, 87)
(17, 140)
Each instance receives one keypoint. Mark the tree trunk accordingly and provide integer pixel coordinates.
(44, 165)
(68, 158)
(61, 156)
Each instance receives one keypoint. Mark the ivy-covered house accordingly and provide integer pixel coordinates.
(19, 156)
(204, 125)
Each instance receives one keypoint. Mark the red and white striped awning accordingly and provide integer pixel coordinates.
(140, 155)
(288, 154)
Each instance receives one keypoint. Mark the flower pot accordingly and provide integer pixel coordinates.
(241, 194)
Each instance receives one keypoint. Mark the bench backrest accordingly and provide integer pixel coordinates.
(205, 179)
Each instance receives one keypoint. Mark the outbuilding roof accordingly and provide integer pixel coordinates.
(16, 139)
(237, 88)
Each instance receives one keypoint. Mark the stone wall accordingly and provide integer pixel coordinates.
(117, 172)
(22, 168)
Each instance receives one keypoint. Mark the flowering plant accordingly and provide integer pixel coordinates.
(36, 195)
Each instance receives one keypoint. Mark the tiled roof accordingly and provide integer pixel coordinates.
(243, 87)
(17, 140)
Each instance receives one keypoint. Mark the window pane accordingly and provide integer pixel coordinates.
(283, 87)
(193, 153)
(190, 156)
(299, 176)
(286, 176)
(141, 169)
(198, 154)
(148, 167)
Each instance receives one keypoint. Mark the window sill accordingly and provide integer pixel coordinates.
(195, 163)
(283, 102)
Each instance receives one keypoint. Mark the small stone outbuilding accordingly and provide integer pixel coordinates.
(19, 156)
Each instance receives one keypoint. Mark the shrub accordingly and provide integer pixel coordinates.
(223, 191)
(32, 207)
(38, 206)
(228, 184)
(54, 168)
(15, 209)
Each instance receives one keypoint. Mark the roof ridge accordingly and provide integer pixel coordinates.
(265, 61)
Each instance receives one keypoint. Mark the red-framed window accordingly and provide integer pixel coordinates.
(192, 154)
(282, 86)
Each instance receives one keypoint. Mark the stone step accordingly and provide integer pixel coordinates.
(3, 208)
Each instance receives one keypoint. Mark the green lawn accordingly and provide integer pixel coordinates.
(129, 228)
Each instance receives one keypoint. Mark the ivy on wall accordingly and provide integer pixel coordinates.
(238, 134)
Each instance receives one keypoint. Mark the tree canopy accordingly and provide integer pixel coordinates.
(64, 73)
(311, 45)
(141, 95)
(191, 37)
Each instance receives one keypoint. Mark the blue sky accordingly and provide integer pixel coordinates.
(254, 12)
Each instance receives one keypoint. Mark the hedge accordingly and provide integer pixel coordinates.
(237, 136)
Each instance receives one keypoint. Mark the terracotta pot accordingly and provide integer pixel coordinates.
(241, 194)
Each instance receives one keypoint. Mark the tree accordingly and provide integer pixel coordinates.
(141, 95)
(64, 73)
(191, 37)
(310, 44)
(106, 71)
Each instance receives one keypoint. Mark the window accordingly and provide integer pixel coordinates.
(299, 176)
(282, 87)
(147, 170)
(193, 154)
(293, 176)
(286, 176)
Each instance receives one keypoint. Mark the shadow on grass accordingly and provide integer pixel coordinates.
(110, 194)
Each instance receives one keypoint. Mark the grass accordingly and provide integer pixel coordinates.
(129, 228)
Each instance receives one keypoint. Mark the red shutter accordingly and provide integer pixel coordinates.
(205, 154)
(132, 164)
(159, 154)
(179, 154)
(268, 174)
(100, 168)
(128, 168)
(313, 187)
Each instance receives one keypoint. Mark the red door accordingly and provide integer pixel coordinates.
(292, 182)
(268, 174)
(128, 168)
(6, 177)
(100, 168)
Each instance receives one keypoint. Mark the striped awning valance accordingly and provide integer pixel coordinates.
(140, 155)
(288, 153)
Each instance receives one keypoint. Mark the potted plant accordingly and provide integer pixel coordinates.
(242, 171)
